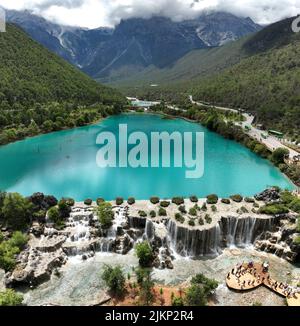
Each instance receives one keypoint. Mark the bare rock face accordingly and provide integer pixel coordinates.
(35, 267)
(123, 244)
(268, 195)
(37, 229)
(52, 244)
(36, 263)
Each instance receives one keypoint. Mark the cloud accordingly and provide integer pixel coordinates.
(95, 13)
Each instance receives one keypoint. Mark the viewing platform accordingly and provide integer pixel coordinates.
(248, 276)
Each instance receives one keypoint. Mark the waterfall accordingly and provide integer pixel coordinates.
(194, 242)
(149, 230)
(230, 231)
(243, 231)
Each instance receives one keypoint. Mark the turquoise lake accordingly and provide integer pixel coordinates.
(63, 164)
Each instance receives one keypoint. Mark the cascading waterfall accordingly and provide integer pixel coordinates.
(78, 241)
(243, 231)
(229, 231)
(149, 230)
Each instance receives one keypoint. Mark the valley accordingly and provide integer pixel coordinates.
(148, 162)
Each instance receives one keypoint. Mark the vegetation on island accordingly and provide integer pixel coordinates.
(41, 93)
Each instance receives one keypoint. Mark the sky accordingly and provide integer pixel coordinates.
(96, 13)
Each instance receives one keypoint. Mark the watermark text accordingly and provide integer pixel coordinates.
(160, 149)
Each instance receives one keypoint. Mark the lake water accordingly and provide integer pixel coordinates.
(64, 164)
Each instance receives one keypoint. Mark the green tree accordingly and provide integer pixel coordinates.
(10, 298)
(200, 290)
(16, 211)
(279, 155)
(114, 279)
(144, 253)
(146, 287)
(10, 248)
(105, 214)
(196, 296)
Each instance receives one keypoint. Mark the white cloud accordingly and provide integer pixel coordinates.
(95, 13)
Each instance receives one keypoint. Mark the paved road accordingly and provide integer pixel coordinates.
(271, 142)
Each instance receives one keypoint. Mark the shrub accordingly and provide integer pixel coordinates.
(10, 248)
(214, 208)
(18, 239)
(114, 279)
(204, 207)
(195, 296)
(298, 225)
(244, 210)
(208, 284)
(64, 209)
(53, 215)
(153, 214)
(100, 201)
(273, 209)
(144, 253)
(146, 287)
(131, 201)
(236, 198)
(249, 200)
(295, 205)
(119, 201)
(16, 211)
(200, 290)
(10, 298)
(178, 200)
(88, 202)
(70, 202)
(105, 215)
(212, 199)
(177, 301)
(142, 214)
(50, 201)
(297, 240)
(201, 222)
(193, 211)
(179, 218)
(208, 219)
(286, 197)
(194, 199)
(279, 155)
(162, 212)
(191, 222)
(154, 200)
(225, 201)
(182, 209)
(164, 203)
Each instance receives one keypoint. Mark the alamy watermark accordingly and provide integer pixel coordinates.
(296, 25)
(2, 20)
(137, 149)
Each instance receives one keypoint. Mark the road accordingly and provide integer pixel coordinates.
(271, 142)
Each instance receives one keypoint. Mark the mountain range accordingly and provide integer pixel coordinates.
(135, 44)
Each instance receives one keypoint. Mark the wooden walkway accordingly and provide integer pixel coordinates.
(250, 277)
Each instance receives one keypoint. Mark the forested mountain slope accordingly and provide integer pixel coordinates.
(266, 83)
(36, 86)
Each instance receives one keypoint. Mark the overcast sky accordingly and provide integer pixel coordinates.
(96, 13)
